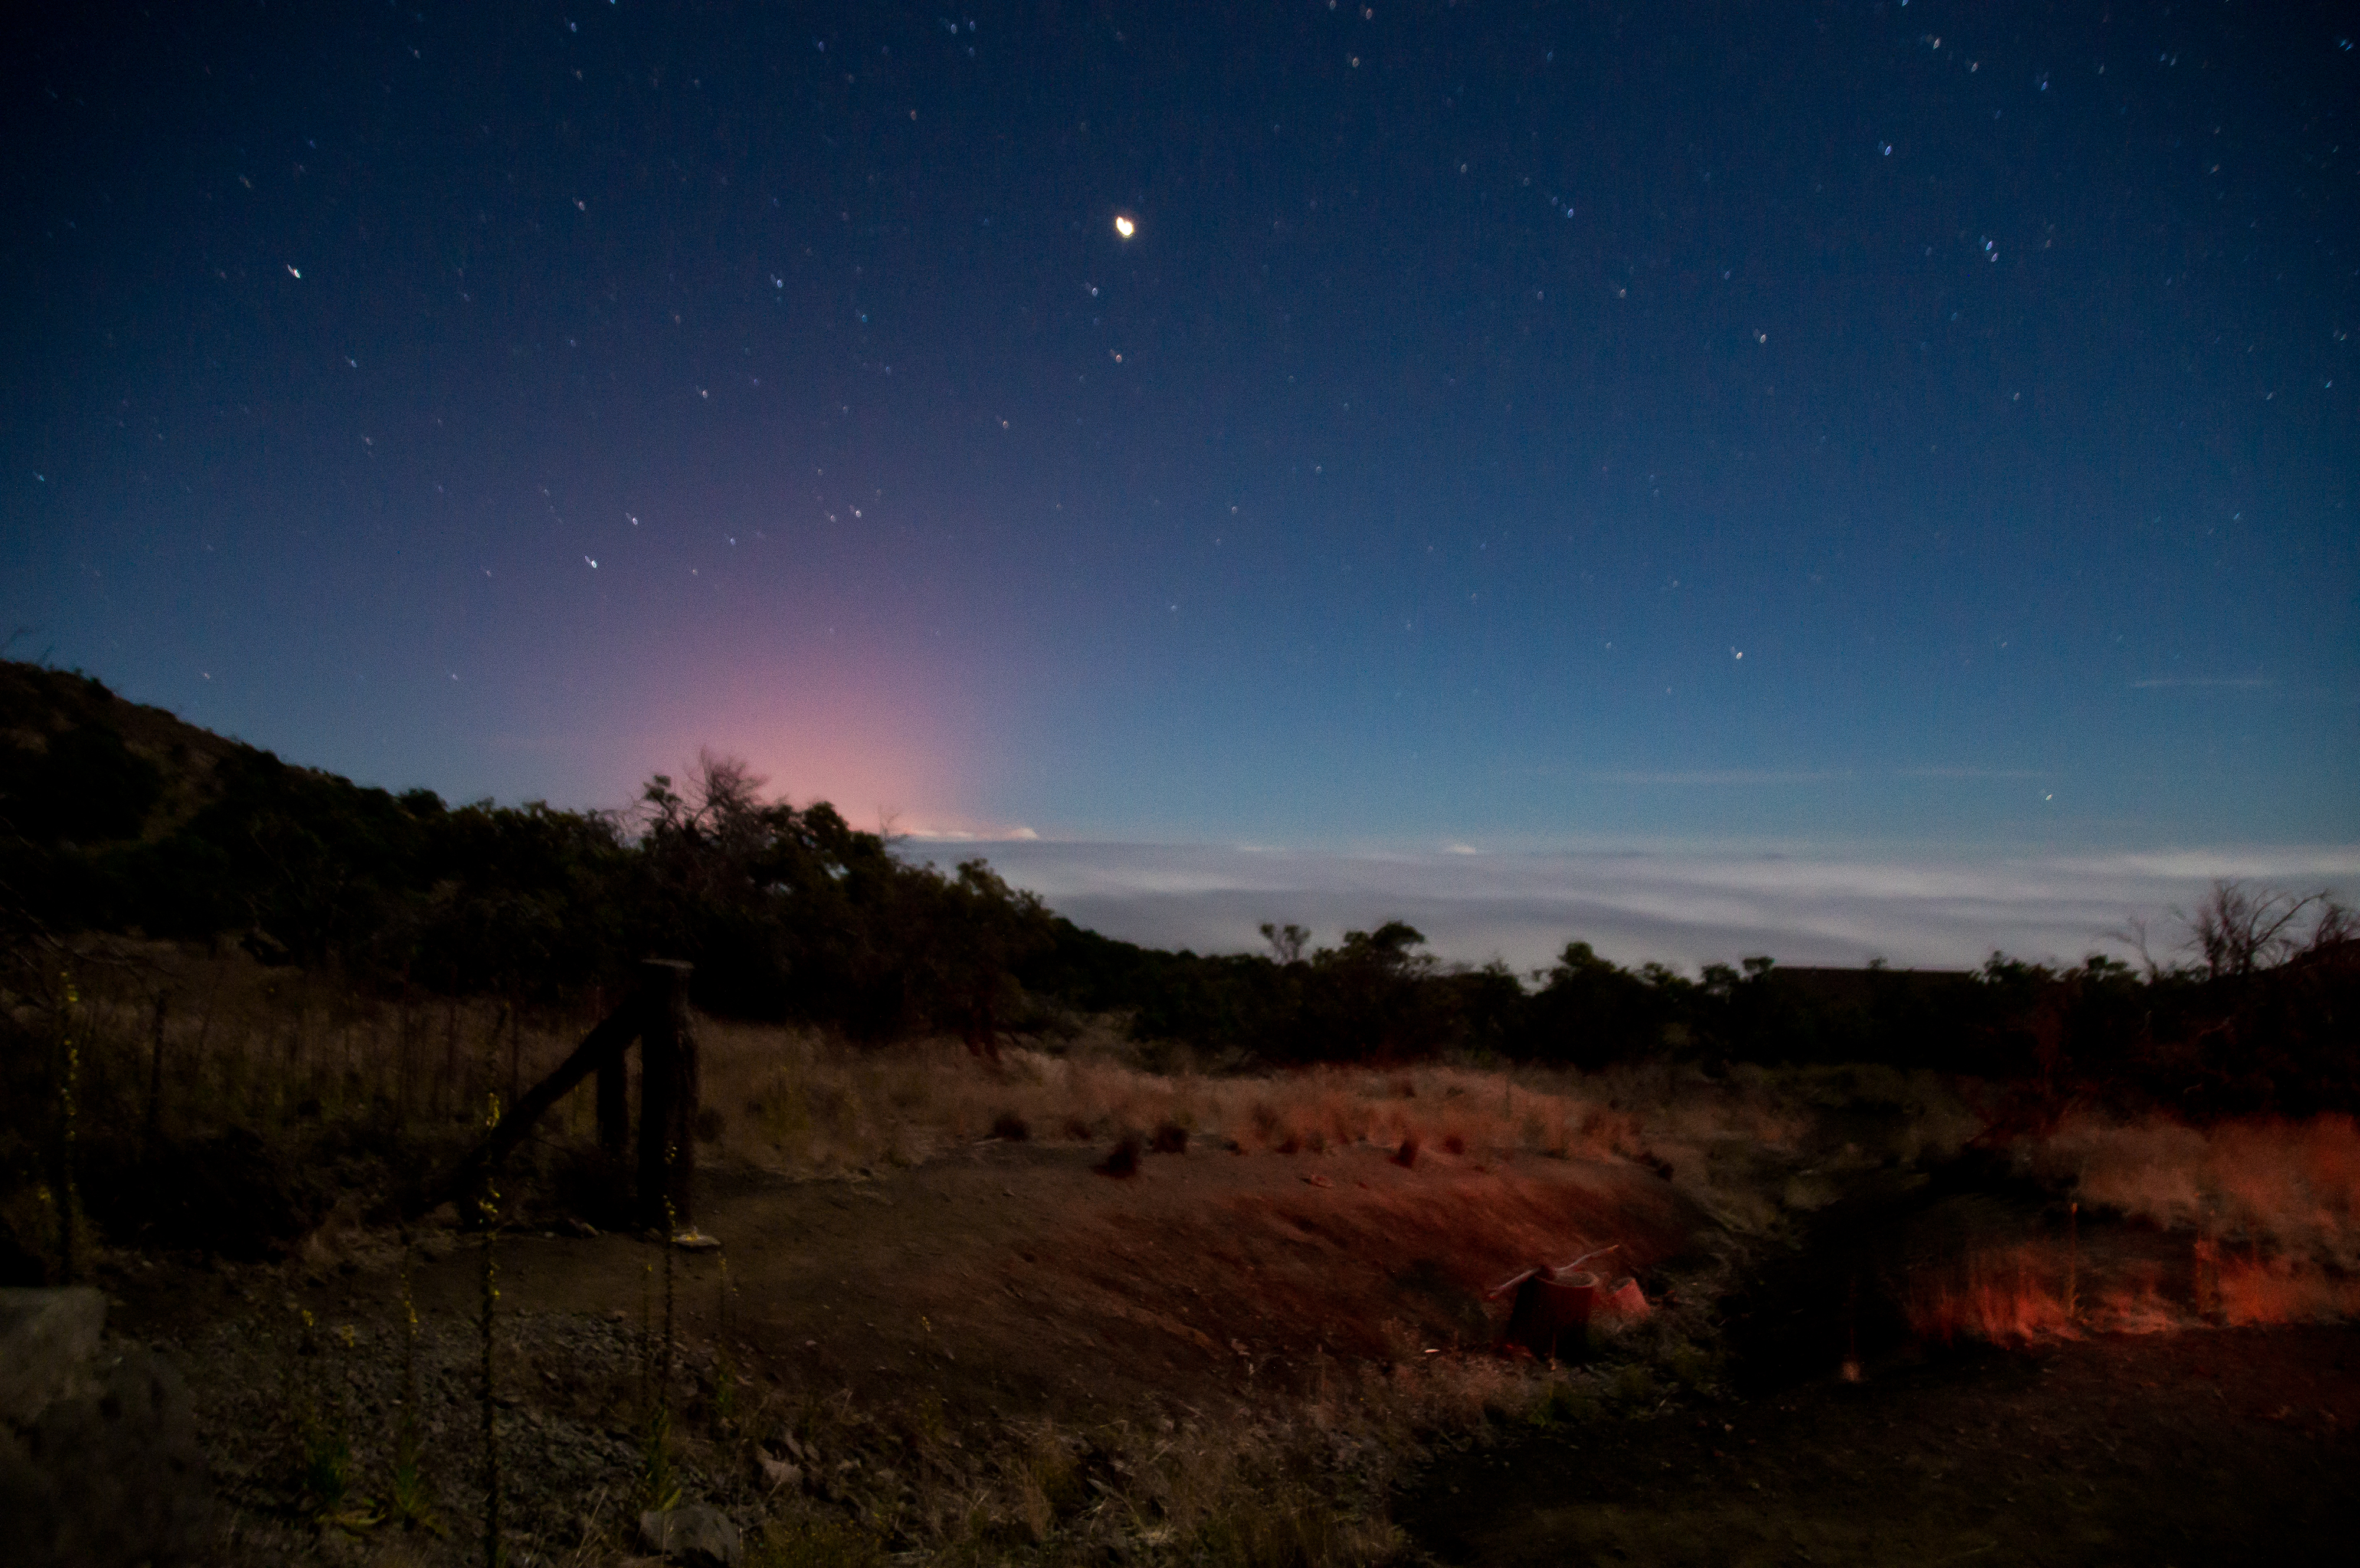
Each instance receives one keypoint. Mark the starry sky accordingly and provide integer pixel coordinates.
(1883, 435)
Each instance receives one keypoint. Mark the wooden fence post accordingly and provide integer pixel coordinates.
(667, 1086)
(601, 1049)
(688, 1102)
(614, 1106)
(671, 1080)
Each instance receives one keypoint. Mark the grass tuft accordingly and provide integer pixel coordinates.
(806, 1536)
(1122, 1160)
(410, 1499)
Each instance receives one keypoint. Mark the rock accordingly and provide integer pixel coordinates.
(698, 1534)
(47, 1341)
(99, 1464)
(20, 1264)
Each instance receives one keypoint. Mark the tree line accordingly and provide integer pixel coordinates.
(2263, 1014)
(791, 913)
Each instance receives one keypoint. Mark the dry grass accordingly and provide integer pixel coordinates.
(796, 1101)
(242, 1043)
(2290, 1187)
(1276, 1482)
(2268, 1209)
(2254, 1290)
(1278, 1478)
(283, 1050)
(2000, 1295)
(2244, 1223)
(2029, 1291)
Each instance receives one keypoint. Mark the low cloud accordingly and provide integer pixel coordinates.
(1967, 773)
(940, 832)
(2214, 682)
(1680, 908)
(1736, 776)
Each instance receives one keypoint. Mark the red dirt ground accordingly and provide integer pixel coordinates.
(1011, 1277)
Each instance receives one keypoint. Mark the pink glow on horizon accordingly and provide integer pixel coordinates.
(875, 746)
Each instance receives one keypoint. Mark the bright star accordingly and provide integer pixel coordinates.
(1124, 226)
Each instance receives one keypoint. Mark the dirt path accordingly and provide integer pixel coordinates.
(915, 1326)
(2199, 1447)
(1012, 1276)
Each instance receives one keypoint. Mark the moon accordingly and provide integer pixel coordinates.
(1124, 226)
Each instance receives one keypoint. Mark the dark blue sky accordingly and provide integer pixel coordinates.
(1478, 384)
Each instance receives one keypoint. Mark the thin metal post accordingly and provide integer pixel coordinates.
(666, 1081)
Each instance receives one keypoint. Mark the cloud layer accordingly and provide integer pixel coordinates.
(1680, 908)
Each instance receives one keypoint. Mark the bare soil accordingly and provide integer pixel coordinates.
(970, 1298)
(905, 1334)
(1014, 1277)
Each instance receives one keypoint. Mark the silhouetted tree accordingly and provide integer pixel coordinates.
(2238, 929)
(1287, 943)
(1590, 1012)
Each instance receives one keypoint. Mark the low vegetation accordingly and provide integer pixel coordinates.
(248, 1011)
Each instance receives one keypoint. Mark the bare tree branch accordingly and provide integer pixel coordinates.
(2237, 929)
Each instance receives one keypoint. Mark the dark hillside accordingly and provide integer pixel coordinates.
(78, 763)
(119, 818)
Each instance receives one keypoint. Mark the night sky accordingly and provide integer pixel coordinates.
(1915, 437)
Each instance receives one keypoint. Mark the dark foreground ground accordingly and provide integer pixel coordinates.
(2199, 1447)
